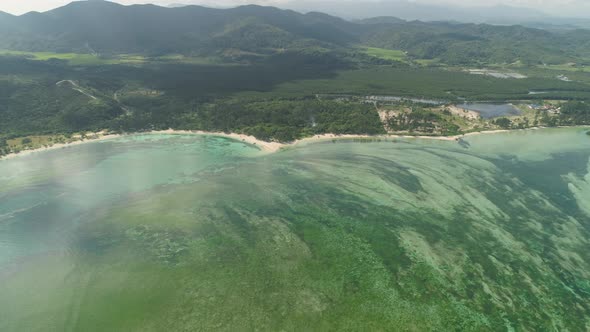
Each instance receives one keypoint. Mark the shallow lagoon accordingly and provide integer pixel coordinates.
(198, 233)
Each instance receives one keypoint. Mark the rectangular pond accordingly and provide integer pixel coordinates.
(491, 110)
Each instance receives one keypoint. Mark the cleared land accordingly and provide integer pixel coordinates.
(382, 53)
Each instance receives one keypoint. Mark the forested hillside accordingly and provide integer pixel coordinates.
(471, 43)
(107, 28)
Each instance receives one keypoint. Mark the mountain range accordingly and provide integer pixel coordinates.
(109, 28)
(413, 10)
(418, 11)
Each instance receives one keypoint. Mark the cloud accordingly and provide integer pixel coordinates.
(23, 6)
(18, 7)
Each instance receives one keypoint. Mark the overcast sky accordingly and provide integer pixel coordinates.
(577, 8)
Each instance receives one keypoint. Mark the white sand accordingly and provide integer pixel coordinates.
(267, 147)
(99, 137)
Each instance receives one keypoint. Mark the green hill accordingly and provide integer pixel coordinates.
(471, 43)
(107, 28)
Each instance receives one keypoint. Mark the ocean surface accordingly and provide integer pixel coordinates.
(186, 232)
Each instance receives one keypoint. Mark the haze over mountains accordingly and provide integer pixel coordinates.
(410, 10)
(419, 11)
(546, 14)
(467, 12)
(257, 31)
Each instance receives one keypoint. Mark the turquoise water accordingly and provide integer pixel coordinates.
(46, 195)
(182, 232)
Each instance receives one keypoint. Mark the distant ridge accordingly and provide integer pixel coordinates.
(255, 32)
(410, 10)
(154, 29)
(382, 20)
(5, 14)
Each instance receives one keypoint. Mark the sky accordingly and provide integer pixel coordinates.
(574, 8)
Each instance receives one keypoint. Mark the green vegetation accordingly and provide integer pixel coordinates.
(434, 83)
(75, 59)
(283, 120)
(284, 97)
(81, 59)
(574, 113)
(337, 238)
(249, 33)
(503, 123)
(470, 44)
(419, 120)
(4, 149)
(275, 74)
(393, 55)
(571, 67)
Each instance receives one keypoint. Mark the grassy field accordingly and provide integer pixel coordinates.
(381, 53)
(194, 60)
(79, 59)
(568, 67)
(428, 62)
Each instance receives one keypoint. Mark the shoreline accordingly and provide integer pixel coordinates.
(264, 146)
(57, 146)
(269, 147)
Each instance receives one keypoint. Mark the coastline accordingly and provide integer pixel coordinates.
(57, 146)
(269, 147)
(266, 147)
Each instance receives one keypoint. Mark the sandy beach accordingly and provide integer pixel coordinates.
(266, 147)
(317, 138)
(263, 145)
(98, 137)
